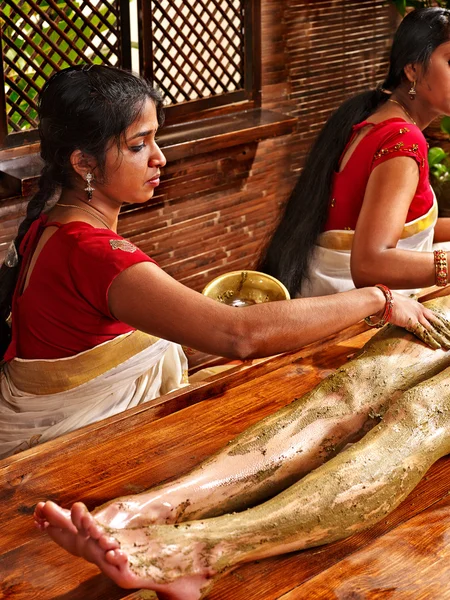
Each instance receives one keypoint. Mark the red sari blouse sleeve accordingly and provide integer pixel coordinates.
(401, 139)
(97, 257)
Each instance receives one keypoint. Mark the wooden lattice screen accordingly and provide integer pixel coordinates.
(201, 53)
(40, 37)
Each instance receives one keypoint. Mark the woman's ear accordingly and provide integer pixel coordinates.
(82, 163)
(411, 72)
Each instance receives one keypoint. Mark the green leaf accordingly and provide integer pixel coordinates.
(400, 5)
(445, 125)
(436, 155)
(439, 170)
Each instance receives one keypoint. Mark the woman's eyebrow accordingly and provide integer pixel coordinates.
(142, 134)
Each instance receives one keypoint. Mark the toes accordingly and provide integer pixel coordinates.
(108, 543)
(91, 527)
(78, 512)
(116, 557)
(38, 511)
(39, 518)
(64, 538)
(56, 516)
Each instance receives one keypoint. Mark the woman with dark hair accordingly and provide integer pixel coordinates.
(96, 324)
(363, 210)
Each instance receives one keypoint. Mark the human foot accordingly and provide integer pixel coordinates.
(160, 558)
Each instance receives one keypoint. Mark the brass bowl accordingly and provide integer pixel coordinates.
(243, 288)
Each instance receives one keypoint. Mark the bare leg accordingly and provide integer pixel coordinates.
(280, 449)
(349, 493)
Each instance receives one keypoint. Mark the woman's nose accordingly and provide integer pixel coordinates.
(158, 157)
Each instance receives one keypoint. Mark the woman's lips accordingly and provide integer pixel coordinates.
(154, 181)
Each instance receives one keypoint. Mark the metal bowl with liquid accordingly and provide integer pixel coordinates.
(244, 288)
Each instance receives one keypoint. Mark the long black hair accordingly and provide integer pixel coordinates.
(80, 108)
(288, 253)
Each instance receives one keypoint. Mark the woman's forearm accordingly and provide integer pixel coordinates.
(396, 268)
(148, 299)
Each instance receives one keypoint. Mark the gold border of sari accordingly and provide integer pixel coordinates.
(41, 377)
(342, 240)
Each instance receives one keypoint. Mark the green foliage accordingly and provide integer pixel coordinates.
(445, 125)
(439, 162)
(57, 35)
(402, 5)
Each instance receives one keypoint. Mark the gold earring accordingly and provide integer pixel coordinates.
(89, 189)
(412, 90)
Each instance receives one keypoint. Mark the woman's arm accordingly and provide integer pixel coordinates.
(374, 257)
(442, 230)
(147, 298)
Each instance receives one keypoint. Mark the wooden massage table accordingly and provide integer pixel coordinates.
(407, 555)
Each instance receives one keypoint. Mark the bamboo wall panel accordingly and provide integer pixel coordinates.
(214, 212)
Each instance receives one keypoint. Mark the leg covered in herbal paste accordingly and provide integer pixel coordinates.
(349, 493)
(282, 448)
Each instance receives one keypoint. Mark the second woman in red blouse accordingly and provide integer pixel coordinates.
(363, 210)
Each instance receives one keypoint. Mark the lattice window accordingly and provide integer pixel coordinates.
(197, 47)
(40, 37)
(201, 53)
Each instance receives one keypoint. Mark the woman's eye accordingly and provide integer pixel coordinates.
(137, 148)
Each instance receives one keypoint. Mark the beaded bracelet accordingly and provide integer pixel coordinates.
(441, 268)
(387, 308)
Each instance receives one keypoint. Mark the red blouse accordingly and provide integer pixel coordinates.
(64, 308)
(385, 140)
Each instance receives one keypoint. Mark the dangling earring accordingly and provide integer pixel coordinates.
(412, 90)
(11, 258)
(89, 189)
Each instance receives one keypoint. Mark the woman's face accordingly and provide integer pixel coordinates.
(132, 174)
(433, 86)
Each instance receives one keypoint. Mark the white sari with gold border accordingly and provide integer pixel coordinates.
(329, 270)
(43, 399)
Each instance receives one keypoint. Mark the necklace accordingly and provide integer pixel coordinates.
(89, 212)
(403, 109)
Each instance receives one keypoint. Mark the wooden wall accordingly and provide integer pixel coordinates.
(214, 212)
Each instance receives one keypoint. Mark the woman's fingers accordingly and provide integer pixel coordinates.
(428, 336)
(433, 326)
(427, 325)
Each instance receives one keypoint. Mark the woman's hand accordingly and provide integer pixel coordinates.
(425, 324)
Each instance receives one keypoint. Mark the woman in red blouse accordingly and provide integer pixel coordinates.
(363, 210)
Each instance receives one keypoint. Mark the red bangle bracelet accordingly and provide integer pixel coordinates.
(387, 313)
(440, 266)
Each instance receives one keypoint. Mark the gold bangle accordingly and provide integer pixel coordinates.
(441, 267)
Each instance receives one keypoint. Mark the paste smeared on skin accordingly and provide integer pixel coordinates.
(349, 493)
(283, 447)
